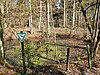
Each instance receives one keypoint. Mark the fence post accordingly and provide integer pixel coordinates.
(67, 59)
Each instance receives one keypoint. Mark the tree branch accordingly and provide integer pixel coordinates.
(92, 5)
(85, 16)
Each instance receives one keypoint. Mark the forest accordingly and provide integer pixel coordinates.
(49, 37)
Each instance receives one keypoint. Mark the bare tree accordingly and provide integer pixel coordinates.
(94, 30)
(40, 15)
(64, 13)
(2, 2)
(30, 17)
(74, 14)
(48, 7)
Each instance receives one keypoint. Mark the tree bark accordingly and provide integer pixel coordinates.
(2, 54)
(64, 13)
(40, 15)
(30, 18)
(74, 14)
(48, 4)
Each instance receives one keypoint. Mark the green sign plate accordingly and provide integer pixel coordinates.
(21, 36)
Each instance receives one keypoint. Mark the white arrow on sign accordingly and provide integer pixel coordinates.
(21, 36)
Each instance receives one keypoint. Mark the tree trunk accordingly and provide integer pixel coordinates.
(30, 18)
(2, 54)
(94, 32)
(48, 4)
(74, 14)
(89, 56)
(40, 15)
(64, 13)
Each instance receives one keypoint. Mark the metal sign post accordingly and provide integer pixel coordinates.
(21, 37)
(23, 58)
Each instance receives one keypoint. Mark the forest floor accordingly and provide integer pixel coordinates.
(78, 55)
